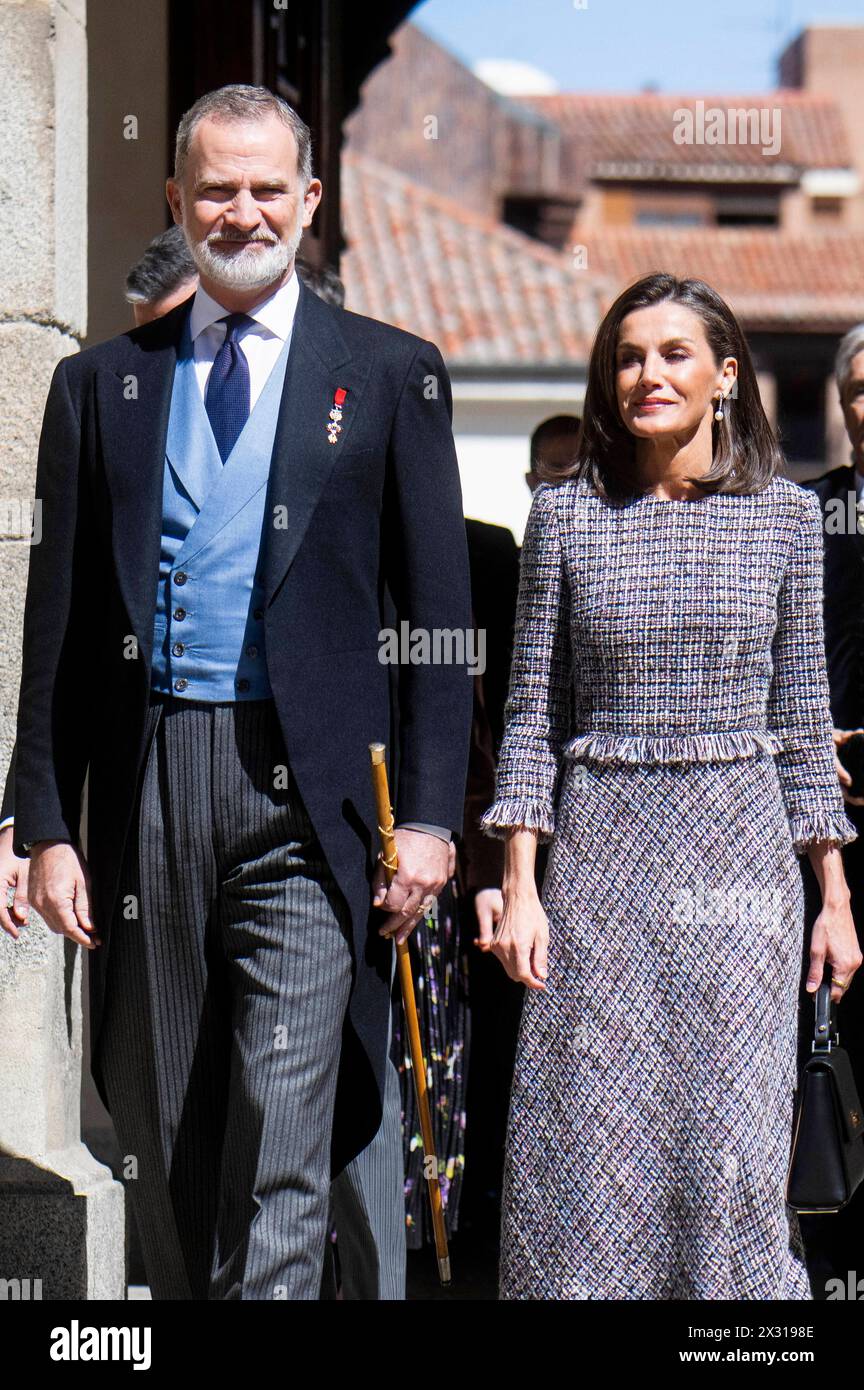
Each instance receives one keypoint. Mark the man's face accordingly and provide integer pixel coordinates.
(241, 203)
(145, 310)
(852, 401)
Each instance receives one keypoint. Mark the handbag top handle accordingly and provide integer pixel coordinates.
(825, 1027)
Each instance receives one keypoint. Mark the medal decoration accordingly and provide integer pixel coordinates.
(334, 429)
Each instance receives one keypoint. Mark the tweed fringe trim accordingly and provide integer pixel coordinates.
(514, 814)
(806, 830)
(673, 748)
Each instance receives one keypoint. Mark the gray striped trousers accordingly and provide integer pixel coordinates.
(228, 975)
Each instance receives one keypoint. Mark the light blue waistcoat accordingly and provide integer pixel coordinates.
(208, 633)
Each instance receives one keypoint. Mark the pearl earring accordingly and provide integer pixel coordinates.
(718, 413)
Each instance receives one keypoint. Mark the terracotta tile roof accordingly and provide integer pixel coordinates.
(772, 280)
(485, 294)
(491, 297)
(632, 137)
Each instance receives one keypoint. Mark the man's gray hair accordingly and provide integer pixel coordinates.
(239, 102)
(849, 348)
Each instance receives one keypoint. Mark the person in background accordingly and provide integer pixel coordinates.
(553, 449)
(493, 557)
(496, 1000)
(164, 277)
(835, 1242)
(323, 281)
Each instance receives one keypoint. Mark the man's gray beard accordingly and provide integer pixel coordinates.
(250, 268)
(246, 269)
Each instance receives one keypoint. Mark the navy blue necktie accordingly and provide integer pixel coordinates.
(227, 395)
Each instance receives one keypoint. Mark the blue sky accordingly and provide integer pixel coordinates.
(623, 45)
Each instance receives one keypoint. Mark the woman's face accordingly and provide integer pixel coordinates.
(666, 378)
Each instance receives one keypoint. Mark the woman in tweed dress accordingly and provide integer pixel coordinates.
(672, 585)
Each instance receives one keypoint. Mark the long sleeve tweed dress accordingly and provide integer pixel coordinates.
(652, 1103)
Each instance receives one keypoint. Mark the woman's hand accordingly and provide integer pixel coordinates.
(489, 907)
(13, 875)
(522, 938)
(834, 939)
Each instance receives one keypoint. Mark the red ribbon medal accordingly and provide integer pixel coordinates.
(334, 429)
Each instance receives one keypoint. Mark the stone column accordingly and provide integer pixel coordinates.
(61, 1212)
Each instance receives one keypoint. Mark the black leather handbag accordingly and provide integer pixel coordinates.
(827, 1159)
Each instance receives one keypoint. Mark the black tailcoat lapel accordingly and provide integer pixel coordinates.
(319, 362)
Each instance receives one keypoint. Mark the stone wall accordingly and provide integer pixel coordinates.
(61, 1212)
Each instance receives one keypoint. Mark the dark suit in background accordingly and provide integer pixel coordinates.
(493, 557)
(496, 1000)
(835, 1242)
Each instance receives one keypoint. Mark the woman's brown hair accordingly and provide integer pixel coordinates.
(746, 455)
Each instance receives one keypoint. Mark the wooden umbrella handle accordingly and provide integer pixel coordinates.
(412, 1020)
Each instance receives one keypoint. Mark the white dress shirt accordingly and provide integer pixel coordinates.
(261, 341)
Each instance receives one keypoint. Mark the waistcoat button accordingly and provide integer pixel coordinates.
(178, 649)
(180, 577)
(243, 684)
(179, 614)
(181, 683)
